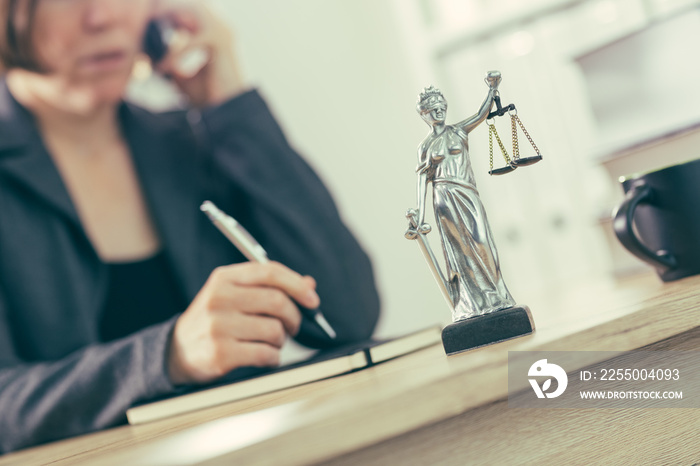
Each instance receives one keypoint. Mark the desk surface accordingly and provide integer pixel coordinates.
(390, 406)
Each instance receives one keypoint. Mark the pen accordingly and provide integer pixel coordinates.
(252, 250)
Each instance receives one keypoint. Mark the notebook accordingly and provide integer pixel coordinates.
(247, 382)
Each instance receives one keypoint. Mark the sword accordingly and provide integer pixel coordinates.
(413, 233)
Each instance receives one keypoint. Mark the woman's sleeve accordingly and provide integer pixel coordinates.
(292, 214)
(87, 390)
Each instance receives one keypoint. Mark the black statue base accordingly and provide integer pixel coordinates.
(487, 329)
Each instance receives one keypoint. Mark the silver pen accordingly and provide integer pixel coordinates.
(252, 250)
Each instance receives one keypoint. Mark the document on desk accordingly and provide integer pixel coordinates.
(248, 382)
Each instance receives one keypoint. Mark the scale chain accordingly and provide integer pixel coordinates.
(527, 135)
(492, 131)
(514, 137)
(490, 150)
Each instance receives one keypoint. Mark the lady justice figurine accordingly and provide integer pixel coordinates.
(483, 311)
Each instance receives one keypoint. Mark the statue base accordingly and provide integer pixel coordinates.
(505, 324)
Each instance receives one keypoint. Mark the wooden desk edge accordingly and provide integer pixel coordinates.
(665, 310)
(350, 423)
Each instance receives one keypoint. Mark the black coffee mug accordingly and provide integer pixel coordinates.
(659, 220)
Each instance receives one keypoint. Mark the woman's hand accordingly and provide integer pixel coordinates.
(201, 57)
(239, 318)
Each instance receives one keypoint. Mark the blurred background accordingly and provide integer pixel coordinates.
(605, 87)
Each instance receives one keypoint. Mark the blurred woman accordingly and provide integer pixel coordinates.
(114, 288)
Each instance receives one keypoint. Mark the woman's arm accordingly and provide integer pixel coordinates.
(88, 390)
(280, 199)
(493, 79)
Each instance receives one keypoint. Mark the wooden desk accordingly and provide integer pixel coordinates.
(426, 408)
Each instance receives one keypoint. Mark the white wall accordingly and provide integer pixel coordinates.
(337, 77)
(342, 76)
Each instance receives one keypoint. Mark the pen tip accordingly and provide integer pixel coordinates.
(323, 323)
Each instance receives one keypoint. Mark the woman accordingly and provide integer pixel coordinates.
(473, 276)
(114, 287)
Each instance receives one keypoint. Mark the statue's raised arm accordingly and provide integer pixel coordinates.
(493, 79)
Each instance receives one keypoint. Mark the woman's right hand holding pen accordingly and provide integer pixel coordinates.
(241, 317)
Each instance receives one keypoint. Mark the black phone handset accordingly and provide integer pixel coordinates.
(154, 42)
(159, 34)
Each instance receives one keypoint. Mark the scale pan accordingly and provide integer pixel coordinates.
(525, 161)
(502, 170)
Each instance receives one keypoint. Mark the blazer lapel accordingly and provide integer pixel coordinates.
(24, 158)
(168, 170)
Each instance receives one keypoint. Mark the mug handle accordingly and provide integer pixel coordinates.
(622, 223)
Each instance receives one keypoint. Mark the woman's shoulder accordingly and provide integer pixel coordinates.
(149, 131)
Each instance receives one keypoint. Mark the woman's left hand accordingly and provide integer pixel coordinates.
(201, 57)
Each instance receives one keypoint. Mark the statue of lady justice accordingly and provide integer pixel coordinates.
(472, 284)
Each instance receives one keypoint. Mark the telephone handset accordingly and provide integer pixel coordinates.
(160, 34)
(154, 41)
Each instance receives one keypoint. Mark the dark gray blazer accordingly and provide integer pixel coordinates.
(56, 378)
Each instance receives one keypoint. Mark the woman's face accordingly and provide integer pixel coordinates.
(90, 44)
